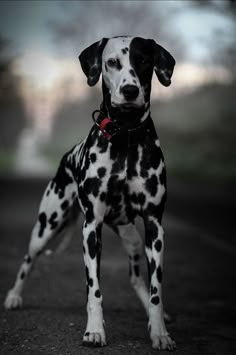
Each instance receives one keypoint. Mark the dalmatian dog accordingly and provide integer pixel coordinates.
(114, 175)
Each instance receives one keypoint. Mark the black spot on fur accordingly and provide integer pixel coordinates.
(22, 275)
(83, 173)
(151, 233)
(131, 212)
(138, 198)
(87, 161)
(92, 244)
(92, 185)
(99, 248)
(151, 157)
(90, 282)
(93, 157)
(27, 259)
(125, 50)
(118, 65)
(151, 185)
(159, 274)
(152, 266)
(162, 176)
(114, 189)
(101, 172)
(156, 210)
(142, 198)
(64, 205)
(158, 245)
(62, 178)
(87, 334)
(43, 223)
(97, 293)
(153, 290)
(132, 73)
(103, 196)
(155, 300)
(89, 215)
(52, 220)
(136, 257)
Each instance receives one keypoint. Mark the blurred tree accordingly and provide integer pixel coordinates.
(12, 113)
(72, 122)
(84, 22)
(225, 50)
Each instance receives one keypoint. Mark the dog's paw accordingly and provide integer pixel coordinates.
(13, 300)
(95, 339)
(163, 342)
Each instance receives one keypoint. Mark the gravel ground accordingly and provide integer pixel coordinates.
(199, 279)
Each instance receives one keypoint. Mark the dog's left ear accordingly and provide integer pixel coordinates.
(163, 64)
(91, 61)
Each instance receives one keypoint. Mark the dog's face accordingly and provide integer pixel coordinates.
(119, 74)
(127, 64)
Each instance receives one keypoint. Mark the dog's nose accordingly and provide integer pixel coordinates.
(130, 92)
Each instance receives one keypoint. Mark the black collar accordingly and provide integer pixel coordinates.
(121, 136)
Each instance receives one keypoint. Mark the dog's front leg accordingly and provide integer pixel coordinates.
(154, 251)
(95, 333)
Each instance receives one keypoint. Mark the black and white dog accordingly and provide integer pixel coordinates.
(115, 174)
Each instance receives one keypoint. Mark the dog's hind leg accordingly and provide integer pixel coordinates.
(133, 245)
(55, 213)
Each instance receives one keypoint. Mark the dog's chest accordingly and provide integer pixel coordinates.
(116, 183)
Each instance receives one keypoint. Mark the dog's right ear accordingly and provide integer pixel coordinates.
(91, 61)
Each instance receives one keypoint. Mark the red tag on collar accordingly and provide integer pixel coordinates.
(102, 126)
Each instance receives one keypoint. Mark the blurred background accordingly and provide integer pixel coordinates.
(46, 107)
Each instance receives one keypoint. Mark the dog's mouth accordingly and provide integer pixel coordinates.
(127, 106)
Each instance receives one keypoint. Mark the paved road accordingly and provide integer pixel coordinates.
(199, 279)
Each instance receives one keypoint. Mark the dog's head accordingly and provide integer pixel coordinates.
(127, 65)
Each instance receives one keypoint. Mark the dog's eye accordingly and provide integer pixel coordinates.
(112, 62)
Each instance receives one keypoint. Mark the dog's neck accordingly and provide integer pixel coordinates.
(127, 118)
